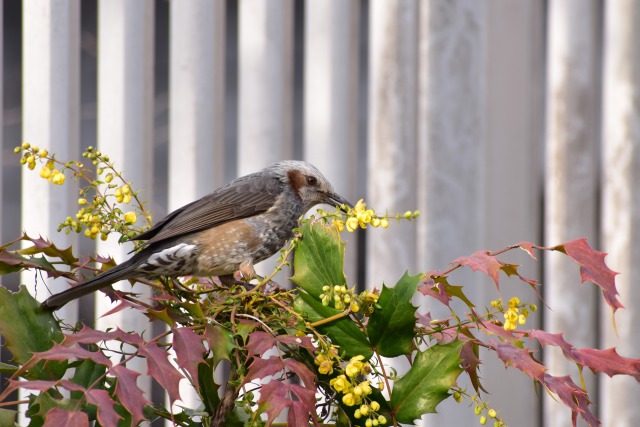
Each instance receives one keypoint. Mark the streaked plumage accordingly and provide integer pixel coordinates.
(229, 230)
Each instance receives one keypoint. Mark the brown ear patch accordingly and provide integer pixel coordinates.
(297, 180)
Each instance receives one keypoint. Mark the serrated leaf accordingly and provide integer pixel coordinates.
(427, 383)
(391, 325)
(189, 350)
(593, 269)
(319, 258)
(62, 417)
(342, 332)
(27, 329)
(220, 342)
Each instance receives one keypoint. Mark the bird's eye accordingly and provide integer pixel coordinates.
(312, 181)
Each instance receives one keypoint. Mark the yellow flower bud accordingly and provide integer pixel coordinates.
(352, 224)
(522, 319)
(126, 198)
(104, 236)
(58, 178)
(82, 201)
(384, 223)
(514, 302)
(375, 222)
(382, 419)
(354, 306)
(130, 217)
(17, 149)
(338, 224)
(31, 165)
(43, 153)
(349, 399)
(30, 158)
(45, 172)
(26, 145)
(375, 406)
(108, 178)
(492, 413)
(407, 214)
(364, 409)
(483, 420)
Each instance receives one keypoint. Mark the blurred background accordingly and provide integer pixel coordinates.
(500, 120)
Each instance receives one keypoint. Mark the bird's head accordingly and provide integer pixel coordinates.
(308, 183)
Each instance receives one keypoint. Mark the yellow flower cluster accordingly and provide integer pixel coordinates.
(360, 216)
(339, 296)
(33, 153)
(355, 392)
(325, 360)
(123, 194)
(491, 413)
(515, 315)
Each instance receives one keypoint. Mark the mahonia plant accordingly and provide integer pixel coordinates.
(323, 352)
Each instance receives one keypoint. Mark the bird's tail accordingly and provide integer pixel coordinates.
(120, 272)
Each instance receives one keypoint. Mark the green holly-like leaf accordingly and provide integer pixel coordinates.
(27, 329)
(319, 258)
(343, 332)
(220, 341)
(208, 388)
(392, 323)
(427, 383)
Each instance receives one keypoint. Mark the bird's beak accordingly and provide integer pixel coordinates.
(337, 200)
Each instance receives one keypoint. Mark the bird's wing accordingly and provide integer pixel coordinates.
(242, 198)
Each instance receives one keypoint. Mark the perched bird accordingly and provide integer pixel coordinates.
(229, 230)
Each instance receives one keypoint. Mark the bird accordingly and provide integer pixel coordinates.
(231, 229)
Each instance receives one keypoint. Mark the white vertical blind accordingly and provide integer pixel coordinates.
(621, 201)
(125, 108)
(391, 167)
(512, 159)
(196, 111)
(571, 181)
(331, 98)
(265, 93)
(450, 133)
(50, 119)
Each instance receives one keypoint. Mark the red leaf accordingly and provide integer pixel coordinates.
(572, 396)
(162, 370)
(57, 417)
(304, 342)
(128, 392)
(482, 261)
(189, 351)
(546, 338)
(593, 268)
(490, 328)
(521, 359)
(430, 288)
(470, 363)
(91, 336)
(300, 410)
(528, 248)
(259, 343)
(59, 352)
(302, 371)
(272, 396)
(608, 362)
(107, 416)
(39, 385)
(261, 368)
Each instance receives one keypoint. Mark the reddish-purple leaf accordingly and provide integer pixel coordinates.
(259, 343)
(304, 342)
(491, 328)
(57, 417)
(92, 336)
(528, 248)
(273, 398)
(521, 359)
(608, 362)
(482, 261)
(162, 370)
(261, 368)
(39, 385)
(128, 392)
(107, 416)
(302, 371)
(593, 268)
(430, 288)
(557, 340)
(424, 319)
(189, 351)
(470, 363)
(59, 352)
(572, 396)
